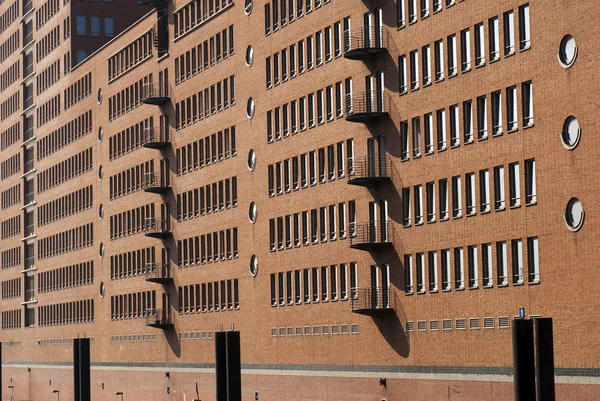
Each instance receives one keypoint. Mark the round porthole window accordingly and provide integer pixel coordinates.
(99, 96)
(102, 289)
(249, 56)
(253, 266)
(101, 250)
(251, 160)
(574, 215)
(100, 173)
(101, 211)
(248, 7)
(568, 51)
(252, 212)
(250, 108)
(571, 133)
(100, 134)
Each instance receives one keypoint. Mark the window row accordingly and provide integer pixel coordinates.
(9, 16)
(278, 13)
(74, 312)
(48, 111)
(304, 56)
(95, 23)
(459, 324)
(10, 166)
(45, 12)
(128, 99)
(131, 222)
(131, 55)
(133, 306)
(208, 248)
(197, 298)
(76, 275)
(10, 45)
(65, 206)
(218, 97)
(66, 241)
(131, 180)
(317, 330)
(323, 224)
(423, 11)
(474, 118)
(133, 338)
(10, 106)
(11, 196)
(11, 227)
(10, 76)
(308, 111)
(65, 135)
(11, 319)
(327, 283)
(196, 13)
(322, 165)
(209, 150)
(11, 258)
(10, 135)
(435, 203)
(422, 76)
(78, 91)
(210, 198)
(132, 263)
(487, 261)
(129, 139)
(47, 44)
(205, 55)
(11, 288)
(64, 171)
(48, 77)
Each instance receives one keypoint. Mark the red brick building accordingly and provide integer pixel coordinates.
(365, 189)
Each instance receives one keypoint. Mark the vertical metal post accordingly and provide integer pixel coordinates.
(544, 359)
(523, 360)
(221, 365)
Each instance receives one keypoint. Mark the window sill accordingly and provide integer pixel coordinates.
(502, 285)
(487, 211)
(471, 214)
(421, 292)
(474, 288)
(518, 284)
(465, 70)
(500, 209)
(533, 203)
(427, 83)
(417, 156)
(455, 145)
(488, 286)
(454, 74)
(419, 224)
(408, 293)
(534, 282)
(512, 53)
(431, 221)
(530, 125)
(497, 134)
(446, 290)
(495, 59)
(414, 89)
(515, 206)
(457, 217)
(433, 291)
(459, 289)
(528, 47)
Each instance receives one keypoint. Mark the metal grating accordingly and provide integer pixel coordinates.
(410, 326)
(421, 325)
(488, 323)
(461, 324)
(474, 323)
(447, 324)
(503, 322)
(434, 325)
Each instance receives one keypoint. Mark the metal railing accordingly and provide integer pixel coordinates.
(157, 317)
(29, 230)
(371, 298)
(156, 225)
(157, 271)
(154, 90)
(29, 295)
(29, 263)
(153, 180)
(29, 197)
(27, 6)
(28, 166)
(27, 38)
(155, 135)
(366, 37)
(374, 102)
(28, 70)
(372, 232)
(27, 102)
(369, 167)
(27, 134)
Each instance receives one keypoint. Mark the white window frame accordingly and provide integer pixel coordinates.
(530, 182)
(418, 194)
(494, 38)
(509, 33)
(426, 53)
(443, 198)
(439, 60)
(501, 263)
(470, 194)
(499, 191)
(465, 50)
(534, 259)
(454, 125)
(452, 56)
(428, 126)
(484, 193)
(515, 185)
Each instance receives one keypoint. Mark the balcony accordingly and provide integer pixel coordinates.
(155, 93)
(155, 183)
(29, 230)
(367, 107)
(29, 296)
(371, 236)
(158, 318)
(157, 228)
(29, 198)
(158, 273)
(27, 6)
(28, 70)
(372, 301)
(368, 171)
(29, 263)
(27, 102)
(155, 138)
(365, 43)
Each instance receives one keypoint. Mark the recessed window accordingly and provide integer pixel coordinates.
(251, 160)
(248, 7)
(100, 173)
(101, 211)
(567, 52)
(252, 212)
(100, 96)
(253, 266)
(102, 289)
(574, 215)
(101, 250)
(249, 56)
(100, 134)
(250, 108)
(571, 133)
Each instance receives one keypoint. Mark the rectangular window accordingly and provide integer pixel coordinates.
(515, 185)
(404, 147)
(479, 45)
(420, 273)
(473, 268)
(486, 258)
(402, 74)
(414, 70)
(416, 136)
(428, 122)
(443, 199)
(324, 284)
(527, 97)
(470, 194)
(497, 113)
(439, 60)
(509, 33)
(482, 121)
(408, 280)
(501, 263)
(465, 50)
(524, 30)
(517, 261)
(424, 8)
(484, 191)
(441, 129)
(343, 282)
(456, 197)
(445, 260)
(337, 39)
(499, 197)
(511, 108)
(319, 47)
(468, 121)
(426, 53)
(412, 11)
(418, 190)
(533, 260)
(430, 193)
(452, 56)
(406, 206)
(433, 276)
(454, 126)
(315, 284)
(459, 268)
(306, 285)
(530, 186)
(494, 38)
